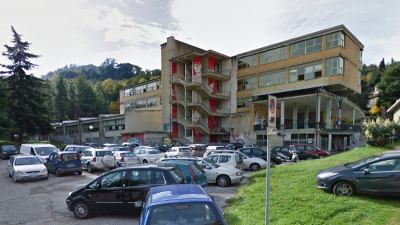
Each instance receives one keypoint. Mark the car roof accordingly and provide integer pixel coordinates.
(179, 193)
(39, 145)
(24, 156)
(125, 151)
(392, 153)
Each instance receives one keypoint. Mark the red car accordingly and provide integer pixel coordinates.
(312, 149)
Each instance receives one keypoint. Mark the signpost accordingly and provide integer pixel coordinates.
(271, 130)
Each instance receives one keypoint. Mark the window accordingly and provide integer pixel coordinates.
(247, 151)
(306, 72)
(247, 61)
(268, 78)
(385, 166)
(159, 177)
(306, 47)
(273, 55)
(140, 89)
(152, 86)
(243, 102)
(113, 180)
(141, 103)
(129, 92)
(224, 158)
(247, 84)
(153, 101)
(213, 158)
(334, 40)
(139, 177)
(334, 66)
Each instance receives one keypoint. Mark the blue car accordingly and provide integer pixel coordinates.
(180, 204)
(64, 162)
(192, 172)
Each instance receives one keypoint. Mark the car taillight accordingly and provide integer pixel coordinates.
(192, 174)
(94, 159)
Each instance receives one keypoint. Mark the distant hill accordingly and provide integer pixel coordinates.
(108, 69)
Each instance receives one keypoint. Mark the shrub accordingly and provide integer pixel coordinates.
(378, 131)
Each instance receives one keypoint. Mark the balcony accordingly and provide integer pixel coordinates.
(216, 74)
(345, 128)
(220, 130)
(204, 108)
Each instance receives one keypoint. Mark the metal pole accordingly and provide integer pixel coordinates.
(267, 182)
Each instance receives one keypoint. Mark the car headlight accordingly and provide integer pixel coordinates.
(44, 170)
(326, 175)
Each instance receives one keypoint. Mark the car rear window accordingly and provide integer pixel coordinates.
(69, 157)
(128, 154)
(45, 150)
(103, 153)
(184, 150)
(27, 161)
(184, 213)
(8, 148)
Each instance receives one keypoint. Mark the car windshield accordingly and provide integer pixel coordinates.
(27, 161)
(45, 150)
(153, 151)
(128, 154)
(211, 163)
(362, 161)
(8, 148)
(103, 153)
(184, 213)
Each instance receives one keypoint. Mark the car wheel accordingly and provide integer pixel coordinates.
(15, 179)
(80, 172)
(255, 167)
(343, 188)
(144, 161)
(81, 210)
(58, 173)
(89, 168)
(223, 181)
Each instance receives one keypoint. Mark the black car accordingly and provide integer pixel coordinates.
(257, 152)
(302, 153)
(7, 150)
(373, 175)
(119, 189)
(233, 146)
(285, 153)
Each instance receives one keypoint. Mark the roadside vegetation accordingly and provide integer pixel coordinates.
(295, 200)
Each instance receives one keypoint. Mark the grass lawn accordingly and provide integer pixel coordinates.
(295, 200)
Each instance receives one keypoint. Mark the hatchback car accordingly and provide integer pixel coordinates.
(180, 204)
(373, 175)
(126, 158)
(26, 168)
(198, 150)
(64, 162)
(119, 189)
(260, 153)
(97, 159)
(227, 159)
(178, 152)
(7, 150)
(148, 154)
(192, 172)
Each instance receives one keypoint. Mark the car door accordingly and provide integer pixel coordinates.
(138, 184)
(50, 164)
(381, 177)
(211, 172)
(109, 191)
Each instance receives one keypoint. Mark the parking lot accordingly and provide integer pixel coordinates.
(43, 201)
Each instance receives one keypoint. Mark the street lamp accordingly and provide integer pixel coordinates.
(91, 133)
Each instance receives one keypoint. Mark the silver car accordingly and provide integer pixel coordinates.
(97, 159)
(26, 168)
(126, 158)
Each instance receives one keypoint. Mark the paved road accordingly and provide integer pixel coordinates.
(43, 202)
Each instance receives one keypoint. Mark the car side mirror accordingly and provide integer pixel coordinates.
(366, 171)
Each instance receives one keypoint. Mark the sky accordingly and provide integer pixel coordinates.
(89, 31)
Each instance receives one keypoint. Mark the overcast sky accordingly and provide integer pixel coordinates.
(88, 31)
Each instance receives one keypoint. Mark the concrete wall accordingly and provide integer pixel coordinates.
(141, 121)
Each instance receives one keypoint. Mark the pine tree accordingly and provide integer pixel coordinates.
(389, 86)
(27, 99)
(73, 111)
(61, 100)
(86, 98)
(382, 65)
(5, 123)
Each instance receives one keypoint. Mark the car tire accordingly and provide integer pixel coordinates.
(81, 210)
(80, 172)
(90, 168)
(144, 161)
(344, 188)
(223, 181)
(254, 167)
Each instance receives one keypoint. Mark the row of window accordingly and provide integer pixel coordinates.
(297, 49)
(333, 66)
(143, 103)
(243, 103)
(142, 89)
(114, 122)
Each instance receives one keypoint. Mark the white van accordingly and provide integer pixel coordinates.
(40, 150)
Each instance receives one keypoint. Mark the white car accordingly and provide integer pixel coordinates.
(26, 168)
(178, 152)
(147, 154)
(42, 151)
(125, 158)
(249, 163)
(99, 159)
(221, 175)
(227, 158)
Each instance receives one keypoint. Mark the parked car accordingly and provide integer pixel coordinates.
(233, 146)
(260, 153)
(7, 150)
(92, 145)
(212, 148)
(75, 148)
(27, 167)
(40, 150)
(148, 154)
(180, 204)
(126, 158)
(116, 148)
(97, 159)
(249, 163)
(178, 152)
(221, 175)
(311, 149)
(302, 153)
(64, 162)
(198, 150)
(373, 175)
(229, 159)
(287, 154)
(193, 173)
(119, 189)
(110, 145)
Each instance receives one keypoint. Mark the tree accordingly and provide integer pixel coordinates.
(382, 65)
(61, 100)
(26, 97)
(86, 98)
(5, 123)
(73, 111)
(389, 87)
